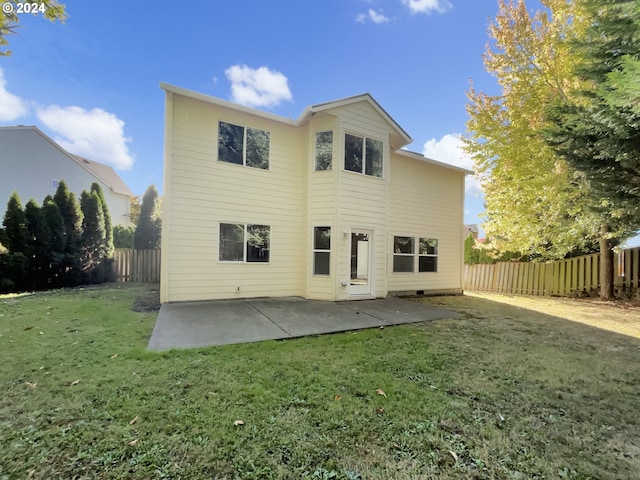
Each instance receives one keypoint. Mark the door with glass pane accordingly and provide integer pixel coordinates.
(360, 262)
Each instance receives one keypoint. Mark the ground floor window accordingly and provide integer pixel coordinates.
(241, 242)
(428, 255)
(321, 250)
(407, 260)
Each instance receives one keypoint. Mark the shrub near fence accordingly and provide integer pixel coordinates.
(573, 276)
(131, 265)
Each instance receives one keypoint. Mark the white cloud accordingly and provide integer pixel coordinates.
(259, 87)
(95, 134)
(427, 6)
(449, 149)
(372, 15)
(11, 106)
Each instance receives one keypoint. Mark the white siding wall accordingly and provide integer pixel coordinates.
(205, 192)
(426, 201)
(322, 209)
(362, 199)
(29, 163)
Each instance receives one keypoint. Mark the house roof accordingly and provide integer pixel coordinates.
(102, 172)
(106, 174)
(304, 116)
(422, 158)
(402, 137)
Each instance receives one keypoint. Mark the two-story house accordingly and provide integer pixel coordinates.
(327, 206)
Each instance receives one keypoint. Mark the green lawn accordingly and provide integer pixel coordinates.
(508, 394)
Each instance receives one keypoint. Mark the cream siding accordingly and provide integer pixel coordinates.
(322, 209)
(414, 197)
(425, 201)
(30, 163)
(206, 192)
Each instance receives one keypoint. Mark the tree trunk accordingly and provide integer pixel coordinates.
(606, 267)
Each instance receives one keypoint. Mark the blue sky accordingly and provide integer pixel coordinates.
(92, 83)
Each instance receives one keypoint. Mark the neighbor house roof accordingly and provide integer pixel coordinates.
(106, 174)
(99, 170)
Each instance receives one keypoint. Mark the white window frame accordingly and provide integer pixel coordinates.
(431, 255)
(315, 151)
(412, 254)
(416, 255)
(364, 154)
(321, 250)
(245, 129)
(244, 243)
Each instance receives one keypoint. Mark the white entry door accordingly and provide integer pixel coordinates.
(360, 263)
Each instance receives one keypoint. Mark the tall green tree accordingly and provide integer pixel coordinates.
(108, 229)
(147, 234)
(534, 199)
(12, 11)
(72, 219)
(93, 237)
(37, 246)
(596, 131)
(55, 228)
(13, 264)
(15, 225)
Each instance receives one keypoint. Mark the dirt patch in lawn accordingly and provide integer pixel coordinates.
(616, 316)
(148, 300)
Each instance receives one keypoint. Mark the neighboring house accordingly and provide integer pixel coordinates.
(327, 206)
(32, 164)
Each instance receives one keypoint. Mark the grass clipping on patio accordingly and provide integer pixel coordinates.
(502, 393)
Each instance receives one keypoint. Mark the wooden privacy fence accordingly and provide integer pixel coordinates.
(136, 265)
(572, 276)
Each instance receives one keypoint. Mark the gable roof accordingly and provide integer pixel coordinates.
(308, 112)
(102, 172)
(402, 137)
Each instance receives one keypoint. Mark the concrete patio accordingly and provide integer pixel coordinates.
(222, 322)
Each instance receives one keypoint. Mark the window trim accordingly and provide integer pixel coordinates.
(244, 260)
(412, 254)
(428, 255)
(245, 129)
(416, 255)
(364, 154)
(315, 151)
(315, 250)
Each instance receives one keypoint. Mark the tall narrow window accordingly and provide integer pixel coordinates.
(243, 146)
(231, 242)
(230, 143)
(321, 250)
(363, 155)
(257, 243)
(403, 254)
(324, 150)
(244, 243)
(373, 164)
(428, 255)
(353, 153)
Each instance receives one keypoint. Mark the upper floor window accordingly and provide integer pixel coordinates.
(243, 145)
(324, 150)
(363, 155)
